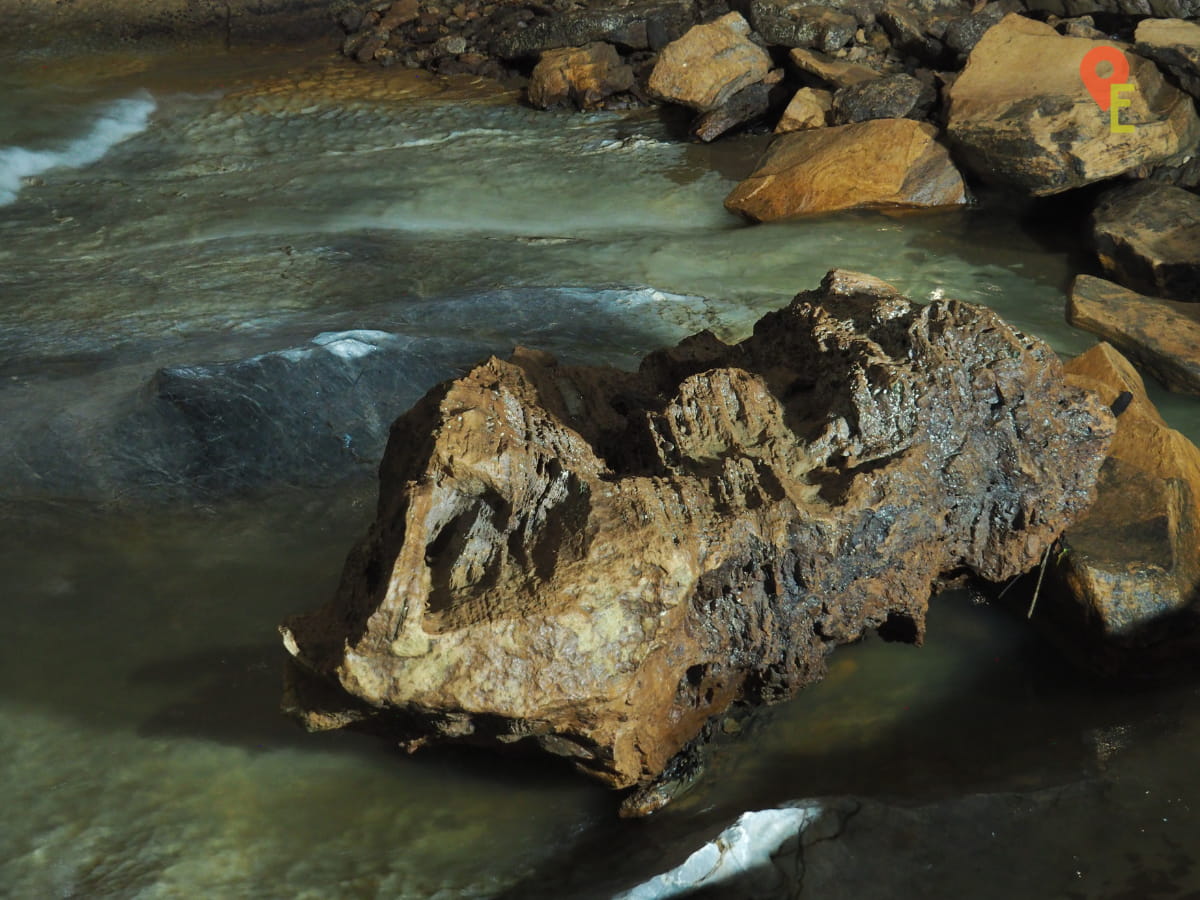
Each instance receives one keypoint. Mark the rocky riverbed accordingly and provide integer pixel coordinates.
(209, 258)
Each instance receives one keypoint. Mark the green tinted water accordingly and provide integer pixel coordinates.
(140, 746)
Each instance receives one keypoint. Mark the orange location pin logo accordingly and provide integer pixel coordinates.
(1099, 85)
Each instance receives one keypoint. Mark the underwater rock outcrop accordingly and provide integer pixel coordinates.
(598, 562)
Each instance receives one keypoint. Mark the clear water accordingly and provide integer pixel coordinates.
(275, 194)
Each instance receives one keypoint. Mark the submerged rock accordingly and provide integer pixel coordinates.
(1162, 336)
(1131, 564)
(1147, 236)
(709, 64)
(599, 562)
(1021, 115)
(878, 163)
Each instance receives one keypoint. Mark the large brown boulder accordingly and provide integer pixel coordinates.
(1175, 45)
(1162, 336)
(1147, 236)
(1131, 564)
(598, 562)
(1020, 114)
(878, 163)
(709, 64)
(584, 76)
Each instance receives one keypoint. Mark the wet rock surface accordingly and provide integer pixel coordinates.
(1162, 336)
(583, 76)
(1130, 566)
(709, 64)
(1041, 131)
(1147, 236)
(597, 562)
(878, 163)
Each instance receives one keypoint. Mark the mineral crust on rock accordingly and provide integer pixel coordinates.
(597, 562)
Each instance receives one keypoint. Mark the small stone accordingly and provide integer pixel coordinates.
(809, 108)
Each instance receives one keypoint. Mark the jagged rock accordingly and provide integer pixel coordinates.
(964, 32)
(1161, 335)
(637, 26)
(744, 106)
(909, 34)
(833, 72)
(709, 64)
(1083, 26)
(1147, 236)
(809, 108)
(890, 97)
(584, 76)
(1175, 45)
(1021, 115)
(883, 162)
(786, 23)
(598, 562)
(1167, 8)
(1131, 564)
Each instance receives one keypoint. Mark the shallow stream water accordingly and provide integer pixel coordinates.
(166, 208)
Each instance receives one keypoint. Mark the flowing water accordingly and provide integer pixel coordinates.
(171, 208)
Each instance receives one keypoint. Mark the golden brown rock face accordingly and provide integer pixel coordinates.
(709, 64)
(598, 562)
(1020, 114)
(879, 163)
(1132, 562)
(584, 76)
(1162, 335)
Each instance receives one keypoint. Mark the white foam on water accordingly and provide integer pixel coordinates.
(115, 122)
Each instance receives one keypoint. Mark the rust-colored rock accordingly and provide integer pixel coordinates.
(1131, 564)
(834, 72)
(598, 562)
(879, 163)
(584, 76)
(709, 64)
(1162, 336)
(1020, 114)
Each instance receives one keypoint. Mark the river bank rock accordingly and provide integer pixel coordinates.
(1020, 115)
(709, 64)
(1175, 45)
(1147, 236)
(1162, 336)
(1131, 564)
(878, 163)
(785, 23)
(583, 76)
(598, 562)
(835, 73)
(808, 108)
(889, 97)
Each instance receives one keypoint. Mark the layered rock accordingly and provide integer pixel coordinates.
(597, 562)
(833, 72)
(1162, 336)
(1131, 564)
(878, 163)
(1175, 45)
(1147, 236)
(808, 108)
(583, 76)
(709, 64)
(1020, 114)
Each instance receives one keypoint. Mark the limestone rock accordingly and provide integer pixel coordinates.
(1132, 562)
(709, 64)
(785, 23)
(1162, 336)
(584, 76)
(1147, 236)
(1175, 45)
(883, 162)
(834, 72)
(809, 108)
(890, 97)
(599, 562)
(1020, 114)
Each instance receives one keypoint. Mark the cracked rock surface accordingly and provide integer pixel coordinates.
(597, 562)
